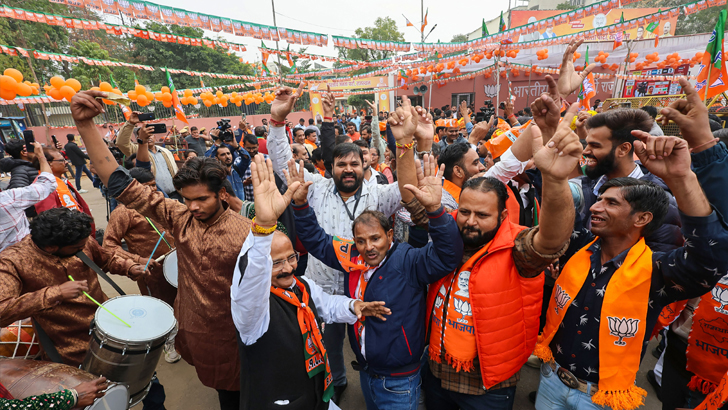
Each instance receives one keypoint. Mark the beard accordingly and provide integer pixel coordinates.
(480, 239)
(347, 188)
(603, 166)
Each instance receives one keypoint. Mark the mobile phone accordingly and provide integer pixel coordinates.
(29, 138)
(159, 128)
(146, 117)
(55, 141)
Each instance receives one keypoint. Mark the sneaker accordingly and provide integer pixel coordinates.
(82, 191)
(170, 354)
(534, 362)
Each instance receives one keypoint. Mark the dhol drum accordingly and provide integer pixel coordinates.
(18, 340)
(129, 355)
(25, 378)
(170, 268)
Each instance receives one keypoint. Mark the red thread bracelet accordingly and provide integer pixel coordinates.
(277, 123)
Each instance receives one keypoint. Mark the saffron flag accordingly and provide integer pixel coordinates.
(502, 24)
(409, 23)
(588, 91)
(484, 30)
(124, 109)
(654, 24)
(136, 80)
(424, 22)
(264, 56)
(713, 72)
(288, 57)
(175, 99)
(618, 39)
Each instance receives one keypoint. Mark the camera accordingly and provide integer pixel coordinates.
(485, 112)
(226, 132)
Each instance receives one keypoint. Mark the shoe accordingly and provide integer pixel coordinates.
(170, 354)
(657, 352)
(532, 396)
(82, 191)
(534, 362)
(653, 381)
(338, 392)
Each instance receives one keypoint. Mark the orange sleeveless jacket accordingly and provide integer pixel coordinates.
(506, 307)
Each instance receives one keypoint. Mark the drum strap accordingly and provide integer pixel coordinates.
(91, 264)
(48, 347)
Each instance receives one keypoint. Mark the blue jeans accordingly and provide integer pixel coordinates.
(553, 394)
(155, 398)
(334, 341)
(390, 393)
(437, 398)
(79, 170)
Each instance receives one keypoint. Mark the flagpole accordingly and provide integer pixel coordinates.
(497, 84)
(280, 68)
(42, 105)
(707, 81)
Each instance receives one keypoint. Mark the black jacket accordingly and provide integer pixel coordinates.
(75, 155)
(22, 174)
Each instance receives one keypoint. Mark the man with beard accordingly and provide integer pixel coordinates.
(337, 202)
(609, 154)
(371, 176)
(452, 133)
(225, 157)
(478, 366)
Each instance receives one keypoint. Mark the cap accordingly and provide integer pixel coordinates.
(185, 129)
(203, 129)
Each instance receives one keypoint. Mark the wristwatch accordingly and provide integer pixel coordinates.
(421, 154)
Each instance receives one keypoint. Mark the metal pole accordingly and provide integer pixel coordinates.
(430, 98)
(42, 106)
(422, 21)
(497, 84)
(280, 68)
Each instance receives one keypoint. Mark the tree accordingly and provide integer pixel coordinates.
(565, 6)
(89, 75)
(358, 100)
(459, 38)
(384, 29)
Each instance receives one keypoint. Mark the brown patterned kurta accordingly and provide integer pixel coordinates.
(206, 255)
(141, 237)
(30, 280)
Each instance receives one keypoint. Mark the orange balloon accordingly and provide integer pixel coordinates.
(142, 100)
(107, 102)
(207, 103)
(165, 89)
(35, 90)
(58, 82)
(23, 89)
(166, 97)
(238, 103)
(195, 101)
(67, 92)
(158, 96)
(224, 103)
(116, 91)
(17, 75)
(7, 83)
(54, 93)
(73, 83)
(132, 95)
(150, 96)
(188, 93)
(167, 103)
(140, 89)
(7, 94)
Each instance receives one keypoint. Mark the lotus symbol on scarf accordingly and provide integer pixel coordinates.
(463, 308)
(720, 295)
(438, 302)
(622, 328)
(561, 298)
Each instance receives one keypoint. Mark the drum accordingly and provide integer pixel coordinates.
(18, 340)
(25, 378)
(170, 268)
(129, 355)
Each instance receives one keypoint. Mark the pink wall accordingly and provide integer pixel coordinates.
(524, 91)
(209, 123)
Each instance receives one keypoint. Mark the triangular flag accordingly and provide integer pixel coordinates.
(588, 91)
(124, 109)
(202, 83)
(618, 38)
(136, 81)
(713, 72)
(484, 30)
(424, 22)
(502, 24)
(653, 25)
(288, 57)
(657, 40)
(409, 23)
(180, 113)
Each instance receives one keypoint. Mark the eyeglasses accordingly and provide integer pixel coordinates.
(58, 160)
(278, 265)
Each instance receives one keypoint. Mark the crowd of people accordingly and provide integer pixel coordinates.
(451, 248)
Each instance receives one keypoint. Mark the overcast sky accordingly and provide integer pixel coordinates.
(337, 17)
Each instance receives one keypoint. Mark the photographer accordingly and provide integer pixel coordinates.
(234, 157)
(163, 166)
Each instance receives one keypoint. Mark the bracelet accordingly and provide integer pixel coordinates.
(404, 147)
(277, 123)
(422, 153)
(511, 116)
(328, 118)
(705, 143)
(261, 230)
(75, 396)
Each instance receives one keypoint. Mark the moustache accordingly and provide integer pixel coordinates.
(284, 275)
(348, 175)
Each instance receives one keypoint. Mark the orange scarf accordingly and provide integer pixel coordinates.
(716, 399)
(452, 189)
(458, 336)
(707, 352)
(622, 323)
(315, 356)
(66, 196)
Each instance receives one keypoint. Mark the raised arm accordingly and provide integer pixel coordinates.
(279, 150)
(39, 190)
(403, 123)
(123, 138)
(556, 160)
(145, 133)
(377, 140)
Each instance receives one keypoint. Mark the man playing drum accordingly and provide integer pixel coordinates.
(278, 315)
(208, 237)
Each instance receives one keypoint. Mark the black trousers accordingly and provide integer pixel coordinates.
(229, 400)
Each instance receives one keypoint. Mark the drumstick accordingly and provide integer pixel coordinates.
(100, 305)
(154, 250)
(161, 258)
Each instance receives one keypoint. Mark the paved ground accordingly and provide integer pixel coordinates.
(184, 390)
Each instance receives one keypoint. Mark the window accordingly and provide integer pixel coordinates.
(467, 97)
(414, 99)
